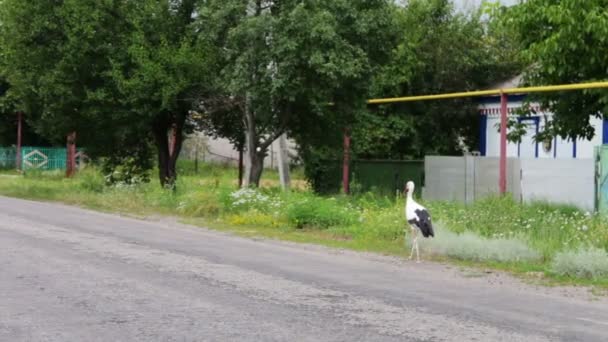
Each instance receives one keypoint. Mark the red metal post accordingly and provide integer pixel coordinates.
(19, 129)
(71, 155)
(346, 165)
(502, 182)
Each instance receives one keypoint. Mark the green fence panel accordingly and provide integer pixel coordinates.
(8, 158)
(44, 158)
(38, 158)
(387, 177)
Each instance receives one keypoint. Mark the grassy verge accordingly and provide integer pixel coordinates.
(556, 244)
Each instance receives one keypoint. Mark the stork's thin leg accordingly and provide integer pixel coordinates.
(414, 241)
(417, 250)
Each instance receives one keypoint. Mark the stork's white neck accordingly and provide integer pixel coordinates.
(409, 196)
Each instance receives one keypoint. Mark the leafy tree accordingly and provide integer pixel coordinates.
(286, 61)
(120, 73)
(564, 41)
(7, 116)
(166, 70)
(57, 57)
(442, 52)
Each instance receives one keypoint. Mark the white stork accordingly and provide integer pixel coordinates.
(418, 218)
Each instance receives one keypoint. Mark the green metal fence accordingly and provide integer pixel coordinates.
(37, 158)
(8, 158)
(44, 158)
(387, 177)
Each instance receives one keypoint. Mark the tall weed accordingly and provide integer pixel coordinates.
(471, 246)
(583, 263)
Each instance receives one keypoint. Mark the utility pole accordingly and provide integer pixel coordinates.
(196, 156)
(283, 161)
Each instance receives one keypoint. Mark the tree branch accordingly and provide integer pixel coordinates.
(265, 144)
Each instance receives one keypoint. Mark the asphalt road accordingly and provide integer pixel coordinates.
(68, 274)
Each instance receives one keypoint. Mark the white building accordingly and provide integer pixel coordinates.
(558, 148)
(221, 151)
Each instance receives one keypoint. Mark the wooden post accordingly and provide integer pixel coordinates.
(502, 181)
(19, 140)
(71, 155)
(346, 164)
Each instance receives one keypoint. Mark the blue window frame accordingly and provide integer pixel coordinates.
(536, 120)
(483, 134)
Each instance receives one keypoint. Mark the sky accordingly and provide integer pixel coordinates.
(464, 4)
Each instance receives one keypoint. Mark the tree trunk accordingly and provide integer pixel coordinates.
(257, 167)
(254, 161)
(169, 140)
(162, 145)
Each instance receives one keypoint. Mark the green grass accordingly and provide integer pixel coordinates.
(561, 243)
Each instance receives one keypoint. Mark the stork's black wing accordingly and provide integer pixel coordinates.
(424, 223)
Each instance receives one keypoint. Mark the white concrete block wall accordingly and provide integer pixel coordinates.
(465, 179)
(220, 150)
(565, 181)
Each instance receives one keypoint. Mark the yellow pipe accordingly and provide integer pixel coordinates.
(563, 87)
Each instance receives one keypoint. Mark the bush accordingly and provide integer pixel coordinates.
(91, 180)
(583, 263)
(320, 213)
(322, 168)
(128, 167)
(470, 246)
(385, 224)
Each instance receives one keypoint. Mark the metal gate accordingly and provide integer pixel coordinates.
(39, 158)
(43, 158)
(601, 179)
(387, 177)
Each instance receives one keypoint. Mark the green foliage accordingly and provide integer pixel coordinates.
(424, 60)
(583, 263)
(57, 58)
(113, 71)
(564, 42)
(91, 180)
(129, 165)
(129, 69)
(322, 168)
(547, 228)
(126, 171)
(442, 51)
(313, 212)
(284, 63)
